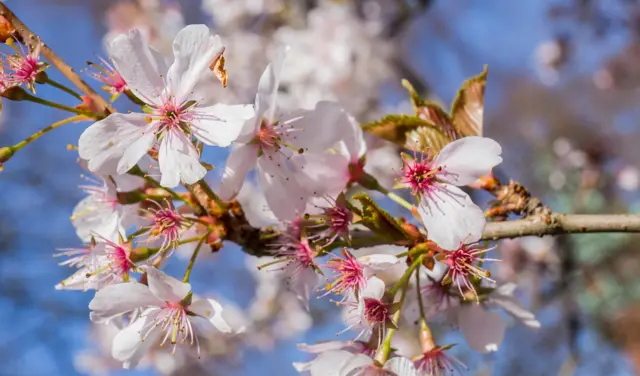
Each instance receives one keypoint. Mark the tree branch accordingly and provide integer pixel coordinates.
(29, 36)
(560, 223)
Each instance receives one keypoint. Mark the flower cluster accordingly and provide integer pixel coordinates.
(316, 212)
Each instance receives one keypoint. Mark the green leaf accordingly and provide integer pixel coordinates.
(379, 220)
(468, 107)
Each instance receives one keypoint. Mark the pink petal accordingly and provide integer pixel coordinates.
(321, 174)
(320, 128)
(451, 218)
(468, 159)
(483, 330)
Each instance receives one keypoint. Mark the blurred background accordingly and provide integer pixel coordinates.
(562, 98)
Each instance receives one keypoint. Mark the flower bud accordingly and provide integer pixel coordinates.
(15, 93)
(6, 29)
(5, 154)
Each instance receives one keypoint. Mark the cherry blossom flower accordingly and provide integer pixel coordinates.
(502, 297)
(269, 141)
(101, 213)
(331, 172)
(168, 313)
(352, 274)
(167, 224)
(369, 313)
(300, 268)
(101, 263)
(436, 362)
(109, 76)
(462, 267)
(448, 213)
(354, 347)
(483, 330)
(23, 67)
(345, 363)
(335, 218)
(176, 100)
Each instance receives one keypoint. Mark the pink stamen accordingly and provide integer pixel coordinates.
(350, 274)
(420, 174)
(462, 268)
(438, 362)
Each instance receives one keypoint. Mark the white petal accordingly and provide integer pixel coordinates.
(255, 207)
(330, 363)
(303, 284)
(267, 96)
(165, 287)
(77, 281)
(451, 218)
(320, 128)
(221, 124)
(379, 262)
(128, 345)
(468, 159)
(286, 198)
(401, 366)
(482, 329)
(179, 160)
(106, 143)
(117, 299)
(322, 174)
(355, 364)
(241, 160)
(353, 139)
(321, 347)
(194, 49)
(212, 311)
(137, 65)
(503, 298)
(375, 288)
(126, 182)
(302, 367)
(94, 215)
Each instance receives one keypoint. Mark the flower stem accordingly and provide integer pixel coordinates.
(383, 352)
(371, 183)
(60, 86)
(192, 261)
(34, 99)
(423, 317)
(135, 170)
(13, 149)
(405, 277)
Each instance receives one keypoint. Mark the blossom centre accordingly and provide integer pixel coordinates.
(172, 115)
(268, 136)
(375, 311)
(173, 320)
(120, 261)
(420, 175)
(350, 274)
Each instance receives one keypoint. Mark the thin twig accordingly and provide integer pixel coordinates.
(560, 223)
(29, 36)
